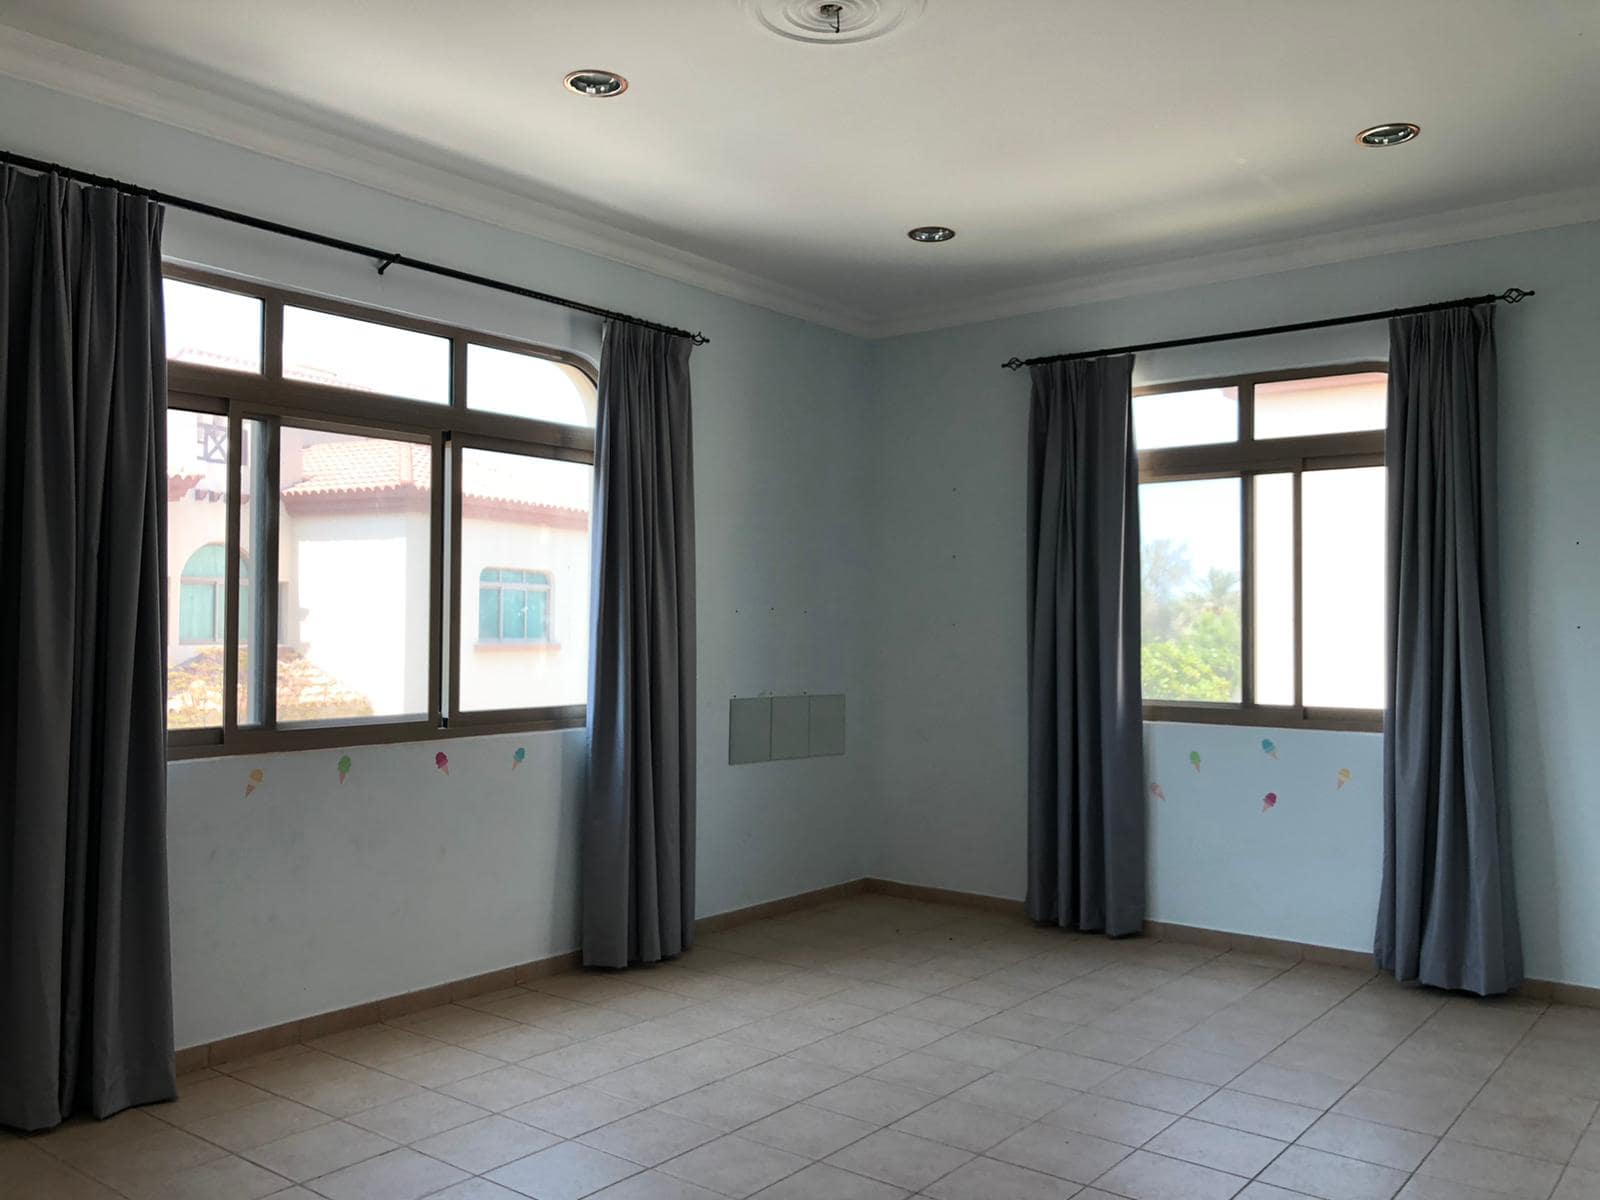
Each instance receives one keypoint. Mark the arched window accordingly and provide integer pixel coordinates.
(513, 605)
(201, 604)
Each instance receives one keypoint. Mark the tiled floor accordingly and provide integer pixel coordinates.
(875, 1049)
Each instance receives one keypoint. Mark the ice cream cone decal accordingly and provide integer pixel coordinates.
(344, 767)
(1344, 778)
(442, 761)
(256, 776)
(1268, 800)
(1155, 790)
(1194, 760)
(1269, 747)
(517, 756)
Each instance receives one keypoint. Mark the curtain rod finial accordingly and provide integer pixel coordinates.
(700, 339)
(1515, 295)
(1013, 364)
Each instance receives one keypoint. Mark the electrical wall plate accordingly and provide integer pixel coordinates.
(827, 726)
(779, 728)
(749, 730)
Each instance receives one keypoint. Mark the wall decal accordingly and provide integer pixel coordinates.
(256, 777)
(442, 761)
(1194, 760)
(1270, 747)
(517, 755)
(344, 766)
(1344, 778)
(1268, 800)
(1155, 790)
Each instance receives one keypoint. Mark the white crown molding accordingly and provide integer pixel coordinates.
(1548, 211)
(266, 129)
(274, 126)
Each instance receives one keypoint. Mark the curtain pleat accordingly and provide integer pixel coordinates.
(85, 974)
(639, 817)
(1086, 805)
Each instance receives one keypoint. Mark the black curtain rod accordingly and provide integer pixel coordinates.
(385, 259)
(1510, 296)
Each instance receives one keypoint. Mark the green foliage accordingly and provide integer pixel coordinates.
(1191, 628)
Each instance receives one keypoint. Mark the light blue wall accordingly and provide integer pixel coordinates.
(949, 655)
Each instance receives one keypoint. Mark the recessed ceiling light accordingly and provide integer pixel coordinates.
(930, 233)
(599, 84)
(1395, 133)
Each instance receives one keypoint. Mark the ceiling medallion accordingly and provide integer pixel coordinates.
(832, 20)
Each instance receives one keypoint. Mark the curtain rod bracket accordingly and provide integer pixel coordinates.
(387, 261)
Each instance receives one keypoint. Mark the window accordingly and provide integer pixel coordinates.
(513, 606)
(1261, 512)
(372, 536)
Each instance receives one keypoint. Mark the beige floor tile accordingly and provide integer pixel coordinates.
(485, 1144)
(1578, 1184)
(725, 1105)
(823, 1182)
(897, 1029)
(563, 1172)
(84, 1135)
(873, 1100)
(228, 1178)
(1110, 1047)
(417, 1117)
(352, 1090)
(205, 1098)
(131, 1165)
(1005, 1091)
(734, 1165)
(1064, 1070)
(374, 1045)
(979, 1049)
(398, 1175)
(1115, 1120)
(848, 1053)
(1256, 1114)
(990, 1179)
(314, 1152)
(1318, 1173)
(441, 1065)
(257, 1124)
(1537, 1139)
(899, 1158)
(961, 1124)
(503, 1088)
(1080, 1157)
(1151, 1089)
(38, 1176)
(1145, 1176)
(654, 1185)
(790, 1077)
(1298, 1087)
(583, 1061)
(808, 1131)
(1381, 1144)
(574, 1111)
(651, 1137)
(514, 1045)
(1497, 1170)
(928, 1073)
(473, 1189)
(1265, 1191)
(1230, 1150)
(1419, 1114)
(1587, 1155)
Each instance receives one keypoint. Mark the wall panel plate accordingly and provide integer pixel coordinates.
(750, 730)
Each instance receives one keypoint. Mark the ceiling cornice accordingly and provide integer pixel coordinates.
(267, 130)
(268, 125)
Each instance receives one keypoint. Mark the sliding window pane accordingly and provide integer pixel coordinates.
(1272, 559)
(197, 535)
(210, 327)
(1330, 404)
(1190, 611)
(1342, 524)
(524, 385)
(525, 578)
(365, 356)
(1196, 418)
(255, 643)
(355, 569)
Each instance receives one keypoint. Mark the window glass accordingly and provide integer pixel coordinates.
(525, 580)
(254, 642)
(1190, 571)
(197, 530)
(210, 327)
(354, 568)
(524, 385)
(1272, 559)
(1194, 418)
(365, 356)
(1342, 587)
(1330, 404)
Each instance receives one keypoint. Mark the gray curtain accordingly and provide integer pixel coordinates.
(638, 828)
(85, 987)
(1086, 804)
(1447, 914)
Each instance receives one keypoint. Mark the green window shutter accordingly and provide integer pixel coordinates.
(539, 615)
(197, 613)
(515, 619)
(488, 614)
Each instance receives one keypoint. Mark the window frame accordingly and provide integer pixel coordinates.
(267, 397)
(1244, 459)
(528, 589)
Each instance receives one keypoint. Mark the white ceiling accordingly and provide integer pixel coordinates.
(1074, 144)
